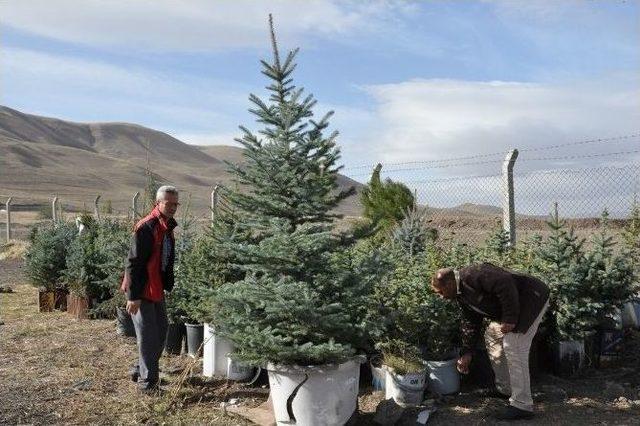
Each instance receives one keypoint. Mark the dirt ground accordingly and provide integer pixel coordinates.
(57, 370)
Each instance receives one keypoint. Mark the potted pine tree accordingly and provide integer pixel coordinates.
(178, 298)
(420, 328)
(45, 261)
(572, 314)
(610, 276)
(302, 309)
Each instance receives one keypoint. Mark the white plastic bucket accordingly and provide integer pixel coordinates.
(329, 396)
(215, 360)
(443, 378)
(407, 389)
(631, 315)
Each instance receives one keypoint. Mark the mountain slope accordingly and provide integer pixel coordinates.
(42, 156)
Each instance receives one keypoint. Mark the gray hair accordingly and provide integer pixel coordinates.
(165, 189)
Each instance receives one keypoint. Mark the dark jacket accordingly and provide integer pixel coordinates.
(144, 277)
(487, 291)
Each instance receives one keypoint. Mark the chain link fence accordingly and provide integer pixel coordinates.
(468, 208)
(465, 207)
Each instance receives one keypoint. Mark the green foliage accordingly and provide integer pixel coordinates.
(415, 319)
(95, 264)
(107, 207)
(557, 262)
(413, 233)
(631, 234)
(497, 248)
(202, 264)
(202, 267)
(152, 184)
(403, 358)
(292, 322)
(413, 315)
(385, 203)
(610, 276)
(112, 242)
(44, 211)
(303, 300)
(525, 254)
(587, 285)
(45, 258)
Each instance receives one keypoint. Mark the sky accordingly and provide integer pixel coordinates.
(408, 81)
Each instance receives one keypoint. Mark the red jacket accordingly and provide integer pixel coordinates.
(144, 278)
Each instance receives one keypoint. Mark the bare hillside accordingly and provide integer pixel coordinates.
(41, 156)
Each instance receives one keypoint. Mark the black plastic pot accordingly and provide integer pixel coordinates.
(195, 336)
(569, 358)
(175, 338)
(610, 346)
(124, 324)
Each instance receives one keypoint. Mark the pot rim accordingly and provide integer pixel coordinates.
(301, 369)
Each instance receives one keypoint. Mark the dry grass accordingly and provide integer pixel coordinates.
(57, 370)
(13, 250)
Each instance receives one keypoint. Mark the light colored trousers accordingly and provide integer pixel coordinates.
(509, 354)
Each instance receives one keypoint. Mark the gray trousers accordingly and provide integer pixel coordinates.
(151, 325)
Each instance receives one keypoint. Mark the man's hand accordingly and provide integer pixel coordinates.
(133, 306)
(507, 328)
(463, 363)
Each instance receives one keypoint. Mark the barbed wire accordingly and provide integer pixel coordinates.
(502, 153)
(442, 166)
(575, 157)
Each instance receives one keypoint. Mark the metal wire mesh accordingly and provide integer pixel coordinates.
(467, 208)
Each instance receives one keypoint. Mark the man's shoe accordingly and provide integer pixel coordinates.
(514, 413)
(150, 389)
(493, 393)
(134, 373)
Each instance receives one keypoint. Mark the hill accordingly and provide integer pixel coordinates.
(43, 156)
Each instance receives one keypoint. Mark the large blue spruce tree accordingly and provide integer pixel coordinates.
(304, 298)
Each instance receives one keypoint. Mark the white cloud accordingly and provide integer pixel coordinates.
(165, 101)
(209, 138)
(435, 119)
(541, 10)
(188, 25)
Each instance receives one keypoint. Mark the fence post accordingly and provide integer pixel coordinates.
(96, 207)
(214, 203)
(54, 210)
(508, 200)
(9, 219)
(134, 205)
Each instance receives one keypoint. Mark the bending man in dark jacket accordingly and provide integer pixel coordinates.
(148, 275)
(515, 304)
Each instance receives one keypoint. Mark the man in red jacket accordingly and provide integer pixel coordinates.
(148, 275)
(514, 304)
